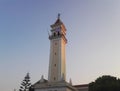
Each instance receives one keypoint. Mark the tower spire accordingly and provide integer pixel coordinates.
(58, 15)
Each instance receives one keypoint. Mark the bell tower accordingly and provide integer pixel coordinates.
(57, 60)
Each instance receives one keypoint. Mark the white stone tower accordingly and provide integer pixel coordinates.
(57, 61)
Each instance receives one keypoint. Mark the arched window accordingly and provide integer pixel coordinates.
(54, 34)
(54, 78)
(58, 33)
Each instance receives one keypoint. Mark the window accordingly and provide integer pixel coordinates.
(55, 43)
(58, 33)
(54, 34)
(55, 53)
(54, 78)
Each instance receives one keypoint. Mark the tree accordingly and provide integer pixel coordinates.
(25, 85)
(105, 83)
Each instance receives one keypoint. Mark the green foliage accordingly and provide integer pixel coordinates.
(105, 83)
(25, 85)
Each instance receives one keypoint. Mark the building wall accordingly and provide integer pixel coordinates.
(83, 87)
(54, 89)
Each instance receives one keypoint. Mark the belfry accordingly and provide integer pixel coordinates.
(57, 63)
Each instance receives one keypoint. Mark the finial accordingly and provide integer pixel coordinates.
(63, 79)
(70, 81)
(58, 15)
(42, 79)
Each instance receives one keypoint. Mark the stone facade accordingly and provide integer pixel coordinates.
(55, 86)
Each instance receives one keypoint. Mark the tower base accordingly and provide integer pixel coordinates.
(55, 86)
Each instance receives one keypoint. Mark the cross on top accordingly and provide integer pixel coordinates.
(58, 15)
